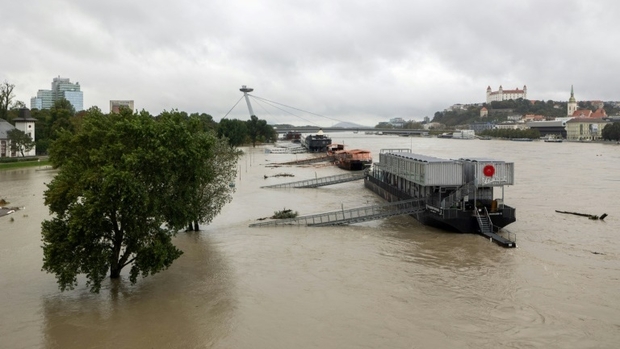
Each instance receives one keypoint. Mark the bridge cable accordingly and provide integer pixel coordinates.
(233, 107)
(305, 111)
(257, 99)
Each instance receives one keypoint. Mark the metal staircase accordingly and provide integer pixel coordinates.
(484, 222)
(492, 232)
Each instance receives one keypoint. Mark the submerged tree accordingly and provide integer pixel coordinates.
(127, 183)
(217, 191)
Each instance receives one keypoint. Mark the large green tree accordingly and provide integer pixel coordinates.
(127, 183)
(20, 141)
(60, 117)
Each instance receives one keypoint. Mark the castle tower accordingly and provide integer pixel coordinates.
(572, 103)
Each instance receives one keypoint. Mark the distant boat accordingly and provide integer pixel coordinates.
(553, 139)
(464, 134)
(317, 142)
(521, 139)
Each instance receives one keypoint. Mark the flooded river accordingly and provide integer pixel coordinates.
(384, 284)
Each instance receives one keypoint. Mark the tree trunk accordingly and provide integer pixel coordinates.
(196, 226)
(115, 273)
(115, 265)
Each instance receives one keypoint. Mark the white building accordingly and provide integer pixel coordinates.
(24, 123)
(511, 126)
(504, 95)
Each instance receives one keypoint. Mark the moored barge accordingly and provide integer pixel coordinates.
(350, 159)
(464, 195)
(354, 159)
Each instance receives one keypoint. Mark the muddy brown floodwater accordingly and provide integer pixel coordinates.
(384, 284)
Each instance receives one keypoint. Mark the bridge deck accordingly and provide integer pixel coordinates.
(322, 181)
(349, 216)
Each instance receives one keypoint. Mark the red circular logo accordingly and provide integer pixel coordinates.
(488, 170)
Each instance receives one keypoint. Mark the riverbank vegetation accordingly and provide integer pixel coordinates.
(500, 111)
(13, 163)
(611, 132)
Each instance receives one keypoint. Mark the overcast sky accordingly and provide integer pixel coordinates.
(360, 61)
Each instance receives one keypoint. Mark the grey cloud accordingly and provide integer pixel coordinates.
(344, 59)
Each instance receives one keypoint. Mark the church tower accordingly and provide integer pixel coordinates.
(572, 103)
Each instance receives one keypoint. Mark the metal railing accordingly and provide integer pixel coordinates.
(486, 213)
(354, 215)
(322, 181)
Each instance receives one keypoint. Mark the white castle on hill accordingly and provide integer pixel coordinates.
(504, 95)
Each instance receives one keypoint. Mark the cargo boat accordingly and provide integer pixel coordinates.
(350, 160)
(464, 195)
(353, 160)
(317, 142)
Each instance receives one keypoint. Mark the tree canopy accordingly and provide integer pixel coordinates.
(259, 130)
(127, 183)
(611, 132)
(234, 130)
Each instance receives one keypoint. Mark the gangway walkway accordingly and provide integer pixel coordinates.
(354, 215)
(306, 161)
(322, 181)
